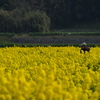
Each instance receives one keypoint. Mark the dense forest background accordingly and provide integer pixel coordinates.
(45, 15)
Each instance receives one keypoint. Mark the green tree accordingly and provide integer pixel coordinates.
(37, 21)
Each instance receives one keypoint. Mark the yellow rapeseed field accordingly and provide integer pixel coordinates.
(49, 73)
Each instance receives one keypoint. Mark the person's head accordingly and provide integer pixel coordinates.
(84, 44)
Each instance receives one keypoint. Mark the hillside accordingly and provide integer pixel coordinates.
(27, 16)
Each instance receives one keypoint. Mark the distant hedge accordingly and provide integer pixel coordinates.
(65, 33)
(9, 44)
(52, 33)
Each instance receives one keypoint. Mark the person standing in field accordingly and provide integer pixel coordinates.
(84, 48)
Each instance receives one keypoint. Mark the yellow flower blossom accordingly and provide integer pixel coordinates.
(49, 73)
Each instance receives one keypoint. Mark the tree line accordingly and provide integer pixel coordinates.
(42, 15)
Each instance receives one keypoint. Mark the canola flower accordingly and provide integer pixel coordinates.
(49, 73)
